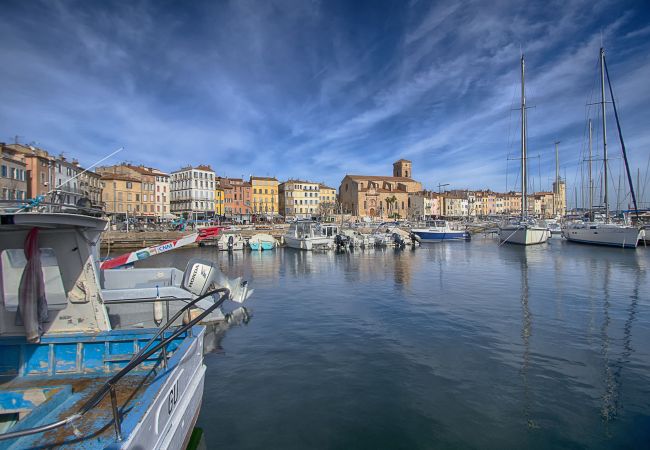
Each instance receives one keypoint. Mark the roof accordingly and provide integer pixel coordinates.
(401, 160)
(324, 186)
(264, 178)
(380, 178)
(118, 176)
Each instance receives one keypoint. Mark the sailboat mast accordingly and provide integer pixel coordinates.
(602, 112)
(556, 191)
(524, 179)
(591, 181)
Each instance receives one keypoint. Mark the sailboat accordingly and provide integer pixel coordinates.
(524, 230)
(604, 232)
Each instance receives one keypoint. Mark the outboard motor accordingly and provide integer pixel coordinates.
(202, 275)
(399, 240)
(415, 239)
(231, 243)
(341, 241)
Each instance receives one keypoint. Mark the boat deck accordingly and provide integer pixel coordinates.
(63, 396)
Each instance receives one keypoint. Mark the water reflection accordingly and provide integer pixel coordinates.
(526, 334)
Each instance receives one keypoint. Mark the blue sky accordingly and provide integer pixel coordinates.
(317, 89)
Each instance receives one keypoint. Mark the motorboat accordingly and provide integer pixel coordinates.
(67, 377)
(307, 235)
(440, 230)
(359, 240)
(261, 241)
(389, 234)
(230, 242)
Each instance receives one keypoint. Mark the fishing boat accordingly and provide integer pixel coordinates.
(261, 241)
(523, 230)
(306, 235)
(440, 230)
(67, 378)
(389, 234)
(605, 232)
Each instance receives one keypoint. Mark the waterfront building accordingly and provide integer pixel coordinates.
(424, 205)
(456, 205)
(144, 203)
(192, 192)
(39, 166)
(299, 199)
(219, 198)
(237, 198)
(66, 183)
(13, 178)
(90, 185)
(327, 200)
(265, 196)
(379, 196)
(162, 194)
(121, 195)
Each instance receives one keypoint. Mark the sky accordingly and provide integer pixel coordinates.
(319, 89)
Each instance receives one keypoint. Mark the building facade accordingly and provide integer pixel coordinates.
(264, 194)
(299, 199)
(379, 196)
(192, 192)
(121, 195)
(13, 177)
(162, 194)
(328, 201)
(90, 184)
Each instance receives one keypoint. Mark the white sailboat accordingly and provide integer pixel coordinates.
(604, 232)
(524, 230)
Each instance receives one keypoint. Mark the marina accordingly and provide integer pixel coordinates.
(434, 348)
(324, 225)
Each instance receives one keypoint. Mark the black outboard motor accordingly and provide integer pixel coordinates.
(414, 239)
(399, 241)
(342, 242)
(231, 243)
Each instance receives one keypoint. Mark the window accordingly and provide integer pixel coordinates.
(137, 197)
(129, 197)
(129, 185)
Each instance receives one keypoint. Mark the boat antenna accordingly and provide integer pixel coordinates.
(86, 170)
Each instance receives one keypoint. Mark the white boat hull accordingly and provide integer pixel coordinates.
(523, 235)
(308, 243)
(615, 236)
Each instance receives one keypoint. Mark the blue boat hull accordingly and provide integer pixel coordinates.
(435, 236)
(265, 246)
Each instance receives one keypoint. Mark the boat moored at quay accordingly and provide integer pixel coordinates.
(440, 230)
(68, 378)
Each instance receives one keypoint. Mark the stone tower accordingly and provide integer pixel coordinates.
(402, 168)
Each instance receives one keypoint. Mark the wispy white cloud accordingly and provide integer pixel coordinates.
(315, 89)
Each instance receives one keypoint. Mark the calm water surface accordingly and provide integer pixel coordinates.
(458, 345)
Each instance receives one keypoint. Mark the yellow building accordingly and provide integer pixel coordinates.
(219, 200)
(264, 193)
(299, 199)
(121, 194)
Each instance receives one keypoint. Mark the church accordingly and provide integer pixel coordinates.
(379, 196)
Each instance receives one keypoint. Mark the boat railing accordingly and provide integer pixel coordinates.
(143, 354)
(39, 205)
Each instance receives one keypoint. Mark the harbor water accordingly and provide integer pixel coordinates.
(451, 345)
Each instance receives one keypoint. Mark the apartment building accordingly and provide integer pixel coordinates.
(192, 192)
(264, 194)
(13, 175)
(299, 199)
(121, 195)
(237, 198)
(162, 194)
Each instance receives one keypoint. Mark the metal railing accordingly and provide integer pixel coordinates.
(145, 352)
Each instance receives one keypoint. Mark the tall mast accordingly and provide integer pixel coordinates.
(602, 112)
(524, 179)
(556, 191)
(591, 181)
